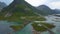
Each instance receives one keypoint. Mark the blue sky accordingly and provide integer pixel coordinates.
(53, 4)
(6, 1)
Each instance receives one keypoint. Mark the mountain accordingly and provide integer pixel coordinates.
(21, 12)
(2, 5)
(56, 11)
(45, 9)
(18, 10)
(20, 6)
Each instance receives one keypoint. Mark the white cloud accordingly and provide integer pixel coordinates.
(36, 2)
(54, 5)
(51, 3)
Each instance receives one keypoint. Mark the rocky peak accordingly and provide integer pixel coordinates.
(18, 1)
(44, 7)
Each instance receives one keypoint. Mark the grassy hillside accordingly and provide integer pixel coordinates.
(21, 12)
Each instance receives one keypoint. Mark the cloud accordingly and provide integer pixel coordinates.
(36, 2)
(54, 5)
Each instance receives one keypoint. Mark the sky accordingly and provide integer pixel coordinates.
(53, 4)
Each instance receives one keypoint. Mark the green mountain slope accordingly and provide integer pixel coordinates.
(16, 10)
(21, 12)
(20, 7)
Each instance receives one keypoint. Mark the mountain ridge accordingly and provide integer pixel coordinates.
(2, 5)
(46, 10)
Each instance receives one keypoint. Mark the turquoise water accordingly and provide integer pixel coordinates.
(5, 29)
(28, 28)
(25, 30)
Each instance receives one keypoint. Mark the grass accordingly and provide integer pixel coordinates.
(42, 28)
(19, 20)
(17, 27)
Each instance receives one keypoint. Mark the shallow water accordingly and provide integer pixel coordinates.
(5, 29)
(28, 28)
(25, 30)
(56, 30)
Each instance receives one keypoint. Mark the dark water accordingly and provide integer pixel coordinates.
(4, 27)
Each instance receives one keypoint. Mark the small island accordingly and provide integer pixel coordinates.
(26, 20)
(16, 27)
(42, 26)
(20, 12)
